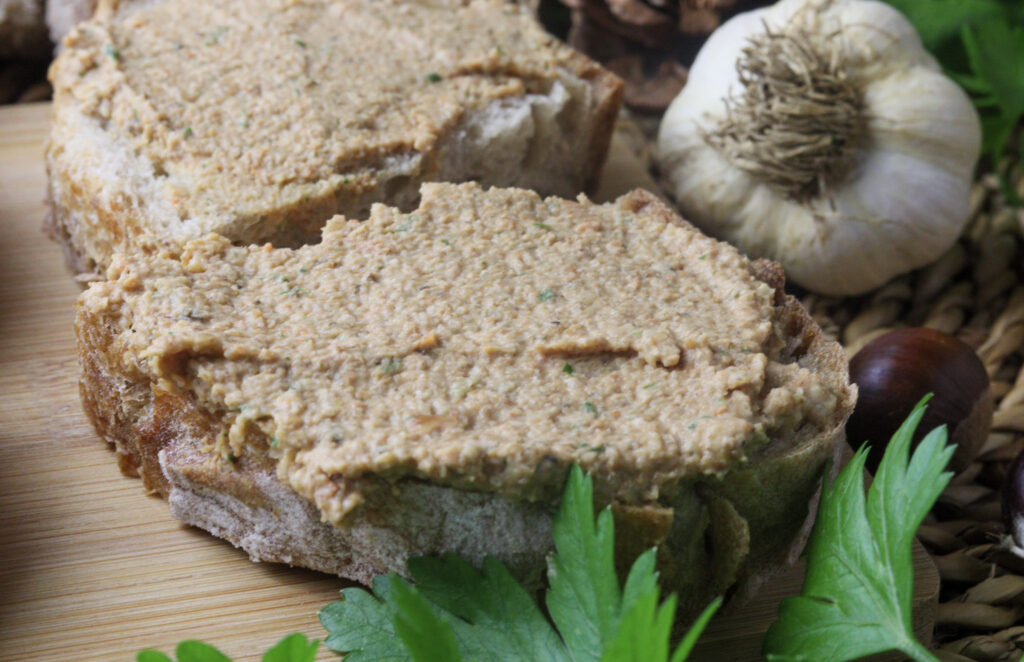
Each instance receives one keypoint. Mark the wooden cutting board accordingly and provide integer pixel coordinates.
(91, 569)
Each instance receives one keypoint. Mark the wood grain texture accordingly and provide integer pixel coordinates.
(91, 569)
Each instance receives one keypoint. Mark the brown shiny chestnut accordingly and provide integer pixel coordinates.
(894, 371)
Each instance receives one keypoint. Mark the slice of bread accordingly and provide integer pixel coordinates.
(421, 382)
(259, 120)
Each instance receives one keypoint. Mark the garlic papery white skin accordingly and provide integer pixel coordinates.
(822, 135)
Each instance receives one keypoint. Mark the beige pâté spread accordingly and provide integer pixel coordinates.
(484, 341)
(246, 107)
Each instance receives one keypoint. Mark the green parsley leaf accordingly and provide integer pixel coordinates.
(568, 369)
(939, 21)
(456, 612)
(293, 648)
(696, 629)
(857, 594)
(151, 656)
(584, 598)
(495, 613)
(424, 635)
(197, 651)
(645, 628)
(433, 77)
(364, 624)
(995, 51)
(546, 295)
(642, 634)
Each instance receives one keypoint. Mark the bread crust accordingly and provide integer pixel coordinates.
(715, 534)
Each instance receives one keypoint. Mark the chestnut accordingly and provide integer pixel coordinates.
(894, 371)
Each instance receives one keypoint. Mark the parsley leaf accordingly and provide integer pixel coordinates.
(485, 615)
(293, 648)
(493, 602)
(151, 656)
(584, 600)
(995, 51)
(423, 634)
(364, 624)
(939, 21)
(643, 632)
(857, 594)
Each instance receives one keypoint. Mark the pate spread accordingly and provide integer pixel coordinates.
(245, 107)
(479, 341)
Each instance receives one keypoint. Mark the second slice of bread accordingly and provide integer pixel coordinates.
(259, 120)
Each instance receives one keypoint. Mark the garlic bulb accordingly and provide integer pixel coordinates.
(821, 134)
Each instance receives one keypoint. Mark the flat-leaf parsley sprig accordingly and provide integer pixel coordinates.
(454, 612)
(293, 648)
(858, 591)
(856, 598)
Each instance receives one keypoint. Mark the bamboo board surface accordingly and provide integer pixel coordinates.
(91, 569)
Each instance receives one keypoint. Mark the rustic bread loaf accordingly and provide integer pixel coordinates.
(259, 120)
(421, 382)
